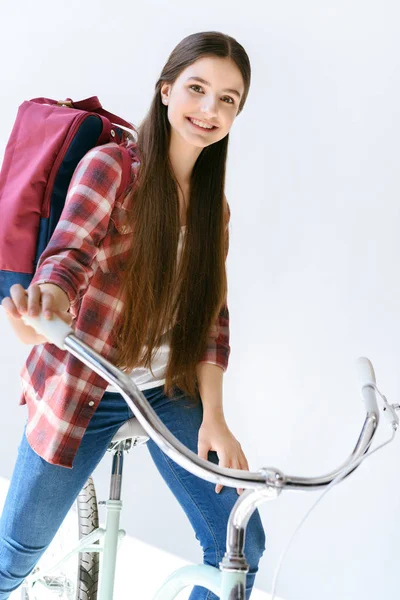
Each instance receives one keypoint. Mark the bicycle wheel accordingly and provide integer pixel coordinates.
(77, 578)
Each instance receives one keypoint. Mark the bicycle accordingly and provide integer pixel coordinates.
(227, 582)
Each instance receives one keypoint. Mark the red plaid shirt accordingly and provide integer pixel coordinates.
(84, 258)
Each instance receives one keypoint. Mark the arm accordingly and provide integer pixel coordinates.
(218, 348)
(64, 268)
(214, 433)
(67, 259)
(210, 378)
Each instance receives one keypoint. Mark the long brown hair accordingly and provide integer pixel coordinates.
(153, 290)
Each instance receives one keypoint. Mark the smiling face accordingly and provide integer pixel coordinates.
(213, 101)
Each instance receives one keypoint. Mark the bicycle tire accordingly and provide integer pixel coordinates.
(85, 585)
(89, 562)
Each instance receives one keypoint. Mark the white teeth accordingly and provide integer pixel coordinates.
(200, 124)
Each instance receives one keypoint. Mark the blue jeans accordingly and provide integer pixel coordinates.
(41, 494)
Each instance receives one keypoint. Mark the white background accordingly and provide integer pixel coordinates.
(312, 183)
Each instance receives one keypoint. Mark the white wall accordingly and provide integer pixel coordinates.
(313, 264)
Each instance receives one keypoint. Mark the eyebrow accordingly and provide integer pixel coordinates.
(208, 83)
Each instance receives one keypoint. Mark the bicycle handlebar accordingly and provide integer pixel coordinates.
(61, 334)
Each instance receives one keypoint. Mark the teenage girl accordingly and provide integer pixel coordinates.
(142, 279)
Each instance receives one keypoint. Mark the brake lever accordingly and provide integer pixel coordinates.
(389, 410)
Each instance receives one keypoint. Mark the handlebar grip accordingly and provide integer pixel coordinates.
(366, 376)
(366, 373)
(54, 329)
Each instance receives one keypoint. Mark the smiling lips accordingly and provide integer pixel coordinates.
(199, 126)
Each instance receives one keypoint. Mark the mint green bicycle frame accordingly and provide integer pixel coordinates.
(227, 582)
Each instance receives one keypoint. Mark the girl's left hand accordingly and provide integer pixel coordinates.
(215, 435)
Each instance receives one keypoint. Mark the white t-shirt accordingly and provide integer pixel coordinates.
(142, 376)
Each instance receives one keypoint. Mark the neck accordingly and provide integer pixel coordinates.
(182, 156)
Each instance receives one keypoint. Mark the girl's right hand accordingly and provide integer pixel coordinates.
(33, 301)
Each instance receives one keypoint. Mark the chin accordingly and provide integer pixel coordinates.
(193, 140)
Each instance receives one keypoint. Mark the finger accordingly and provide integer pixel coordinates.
(242, 460)
(240, 490)
(242, 465)
(20, 298)
(202, 450)
(66, 316)
(48, 305)
(34, 296)
(222, 462)
(237, 465)
(8, 305)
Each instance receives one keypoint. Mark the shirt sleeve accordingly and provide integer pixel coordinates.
(67, 259)
(218, 347)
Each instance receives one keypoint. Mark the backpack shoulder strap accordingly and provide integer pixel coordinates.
(126, 170)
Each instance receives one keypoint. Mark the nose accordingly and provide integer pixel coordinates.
(209, 107)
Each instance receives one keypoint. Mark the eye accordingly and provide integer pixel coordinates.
(199, 86)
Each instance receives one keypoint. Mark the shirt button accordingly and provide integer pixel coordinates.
(91, 403)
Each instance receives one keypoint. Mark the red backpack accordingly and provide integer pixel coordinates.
(48, 140)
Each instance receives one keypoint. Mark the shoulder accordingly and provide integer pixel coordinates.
(109, 155)
(119, 157)
(99, 166)
(105, 166)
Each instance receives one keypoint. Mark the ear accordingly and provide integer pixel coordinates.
(165, 90)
